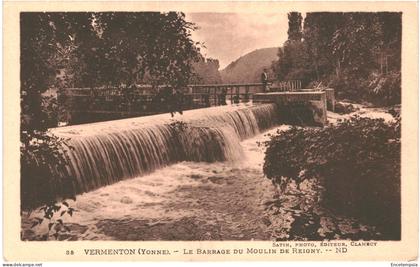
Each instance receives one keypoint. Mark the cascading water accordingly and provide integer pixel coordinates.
(107, 152)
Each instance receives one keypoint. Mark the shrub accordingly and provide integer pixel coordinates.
(45, 182)
(356, 160)
(43, 169)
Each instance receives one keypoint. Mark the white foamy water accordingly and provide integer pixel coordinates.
(165, 195)
(107, 152)
(226, 196)
(372, 113)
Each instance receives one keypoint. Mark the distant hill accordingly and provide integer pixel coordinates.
(248, 68)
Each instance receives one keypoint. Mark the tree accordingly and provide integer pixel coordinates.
(293, 61)
(207, 71)
(317, 34)
(36, 70)
(295, 26)
(357, 53)
(148, 45)
(60, 49)
(353, 45)
(85, 49)
(362, 47)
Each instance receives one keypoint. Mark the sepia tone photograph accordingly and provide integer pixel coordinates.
(192, 126)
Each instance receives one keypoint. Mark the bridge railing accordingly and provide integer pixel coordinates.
(104, 103)
(286, 86)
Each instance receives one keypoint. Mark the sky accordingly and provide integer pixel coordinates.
(227, 36)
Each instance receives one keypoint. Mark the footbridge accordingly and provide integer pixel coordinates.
(106, 103)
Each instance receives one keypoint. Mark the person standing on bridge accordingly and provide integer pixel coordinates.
(222, 96)
(264, 80)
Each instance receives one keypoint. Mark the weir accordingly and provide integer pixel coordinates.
(107, 152)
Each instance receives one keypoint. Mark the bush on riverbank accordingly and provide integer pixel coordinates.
(43, 170)
(45, 184)
(357, 161)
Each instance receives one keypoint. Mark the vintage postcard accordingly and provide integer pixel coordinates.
(210, 131)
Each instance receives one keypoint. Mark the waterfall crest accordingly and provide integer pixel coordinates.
(107, 152)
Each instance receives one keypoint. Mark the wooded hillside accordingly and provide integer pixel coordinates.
(248, 68)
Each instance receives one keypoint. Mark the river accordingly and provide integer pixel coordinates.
(229, 200)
